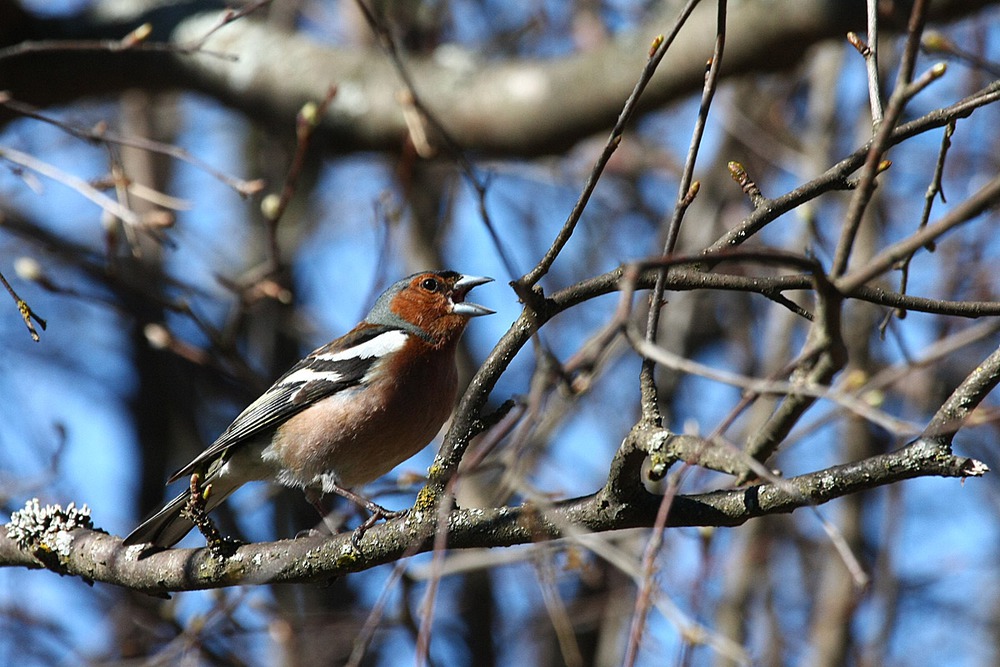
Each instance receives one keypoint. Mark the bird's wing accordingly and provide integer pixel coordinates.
(338, 366)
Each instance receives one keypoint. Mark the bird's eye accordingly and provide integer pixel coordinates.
(430, 284)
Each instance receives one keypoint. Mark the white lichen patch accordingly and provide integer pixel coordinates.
(136, 550)
(62, 544)
(48, 527)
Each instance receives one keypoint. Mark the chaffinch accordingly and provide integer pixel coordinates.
(347, 413)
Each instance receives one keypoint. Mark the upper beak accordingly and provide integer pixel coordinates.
(460, 305)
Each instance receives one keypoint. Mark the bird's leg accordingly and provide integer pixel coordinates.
(315, 499)
(377, 512)
(195, 510)
(369, 505)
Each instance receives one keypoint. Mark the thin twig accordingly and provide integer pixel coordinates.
(569, 647)
(987, 197)
(933, 190)
(767, 386)
(127, 216)
(227, 17)
(935, 42)
(27, 314)
(134, 41)
(413, 105)
(836, 177)
(643, 600)
(364, 636)
(656, 53)
(306, 123)
(687, 190)
(101, 134)
(105, 46)
(871, 63)
(441, 512)
(902, 94)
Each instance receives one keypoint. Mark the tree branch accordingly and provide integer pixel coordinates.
(499, 107)
(97, 556)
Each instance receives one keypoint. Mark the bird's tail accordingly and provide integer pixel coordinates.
(168, 526)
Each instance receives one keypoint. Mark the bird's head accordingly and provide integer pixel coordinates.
(431, 304)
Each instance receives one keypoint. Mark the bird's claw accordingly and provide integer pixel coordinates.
(377, 512)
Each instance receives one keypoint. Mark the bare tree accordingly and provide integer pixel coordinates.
(808, 319)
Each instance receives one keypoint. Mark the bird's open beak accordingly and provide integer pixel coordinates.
(462, 287)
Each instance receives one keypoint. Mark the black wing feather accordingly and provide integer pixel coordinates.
(286, 399)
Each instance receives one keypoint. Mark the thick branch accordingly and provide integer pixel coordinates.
(100, 557)
(503, 107)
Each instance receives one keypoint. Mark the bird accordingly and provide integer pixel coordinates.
(348, 412)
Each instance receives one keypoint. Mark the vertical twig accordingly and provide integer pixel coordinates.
(871, 62)
(556, 608)
(687, 190)
(933, 190)
(443, 510)
(274, 206)
(904, 90)
(644, 598)
(364, 636)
